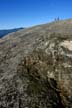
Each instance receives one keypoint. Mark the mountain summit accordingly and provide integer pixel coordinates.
(36, 67)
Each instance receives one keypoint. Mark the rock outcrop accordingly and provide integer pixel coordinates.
(36, 68)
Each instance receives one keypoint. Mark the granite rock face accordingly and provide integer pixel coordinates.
(36, 67)
(31, 87)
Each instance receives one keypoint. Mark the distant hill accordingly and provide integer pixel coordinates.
(5, 32)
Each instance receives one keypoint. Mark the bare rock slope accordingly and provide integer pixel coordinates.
(36, 67)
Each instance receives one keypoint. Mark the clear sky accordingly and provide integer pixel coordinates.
(25, 13)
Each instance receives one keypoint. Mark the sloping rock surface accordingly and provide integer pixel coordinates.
(36, 67)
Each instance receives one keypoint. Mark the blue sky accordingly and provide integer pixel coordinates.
(26, 13)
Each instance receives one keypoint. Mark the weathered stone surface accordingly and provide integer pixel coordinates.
(36, 67)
